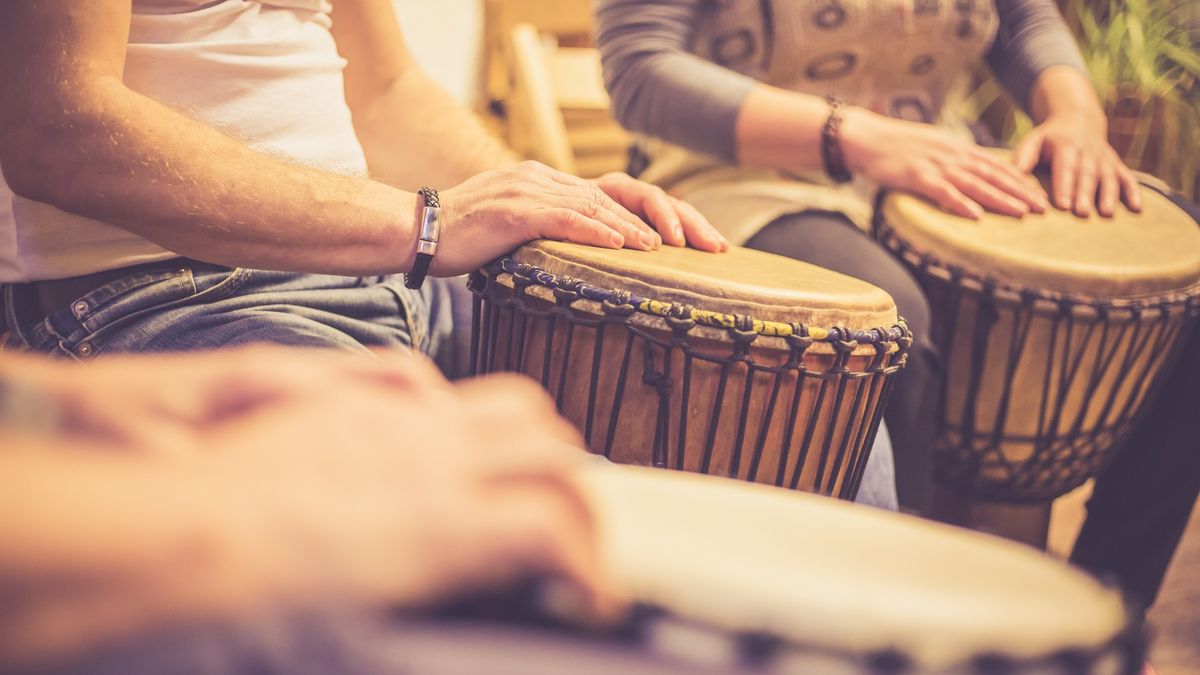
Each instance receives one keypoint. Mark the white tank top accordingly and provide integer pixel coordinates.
(265, 71)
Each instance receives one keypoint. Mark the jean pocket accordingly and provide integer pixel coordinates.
(130, 296)
(80, 329)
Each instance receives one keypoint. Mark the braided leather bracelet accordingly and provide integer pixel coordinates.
(831, 143)
(427, 239)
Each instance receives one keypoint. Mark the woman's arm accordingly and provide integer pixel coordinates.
(1032, 38)
(1035, 57)
(660, 89)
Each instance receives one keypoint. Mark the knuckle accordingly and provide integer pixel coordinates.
(584, 207)
(593, 203)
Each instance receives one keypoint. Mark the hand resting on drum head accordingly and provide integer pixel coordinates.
(490, 214)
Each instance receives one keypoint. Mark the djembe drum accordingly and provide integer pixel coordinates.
(742, 364)
(739, 579)
(724, 578)
(1053, 331)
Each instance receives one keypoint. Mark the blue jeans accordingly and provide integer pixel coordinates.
(176, 308)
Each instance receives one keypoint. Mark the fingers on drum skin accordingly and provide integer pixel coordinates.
(948, 197)
(664, 215)
(564, 224)
(1028, 152)
(594, 203)
(987, 195)
(646, 234)
(1085, 187)
(1064, 171)
(1008, 178)
(699, 231)
(649, 202)
(1131, 191)
(1110, 190)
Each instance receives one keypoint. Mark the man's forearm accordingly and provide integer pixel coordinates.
(111, 154)
(415, 134)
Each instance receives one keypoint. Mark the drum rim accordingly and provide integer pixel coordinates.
(1129, 644)
(687, 316)
(1125, 638)
(1187, 298)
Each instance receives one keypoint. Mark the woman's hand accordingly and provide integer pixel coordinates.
(1084, 169)
(956, 174)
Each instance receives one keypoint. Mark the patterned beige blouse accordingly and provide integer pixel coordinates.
(679, 69)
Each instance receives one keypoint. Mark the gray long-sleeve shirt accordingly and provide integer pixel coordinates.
(659, 86)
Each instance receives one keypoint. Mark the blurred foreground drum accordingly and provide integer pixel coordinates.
(741, 364)
(791, 583)
(745, 579)
(1053, 331)
(728, 578)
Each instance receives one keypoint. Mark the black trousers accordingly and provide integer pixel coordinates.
(833, 242)
(1142, 501)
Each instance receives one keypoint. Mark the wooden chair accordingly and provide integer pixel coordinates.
(568, 21)
(557, 109)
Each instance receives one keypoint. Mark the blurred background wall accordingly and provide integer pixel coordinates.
(452, 53)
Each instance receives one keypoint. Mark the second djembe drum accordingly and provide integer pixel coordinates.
(740, 364)
(1053, 331)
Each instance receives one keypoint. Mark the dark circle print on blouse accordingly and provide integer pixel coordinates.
(831, 16)
(831, 66)
(922, 65)
(966, 25)
(926, 7)
(734, 48)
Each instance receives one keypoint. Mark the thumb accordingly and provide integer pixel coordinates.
(1028, 152)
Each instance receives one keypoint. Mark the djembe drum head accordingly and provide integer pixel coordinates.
(742, 364)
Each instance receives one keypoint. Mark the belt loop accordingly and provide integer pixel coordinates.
(5, 303)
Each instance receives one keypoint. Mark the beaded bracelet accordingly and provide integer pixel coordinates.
(831, 143)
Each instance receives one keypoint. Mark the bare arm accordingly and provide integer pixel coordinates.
(276, 494)
(661, 89)
(413, 132)
(72, 135)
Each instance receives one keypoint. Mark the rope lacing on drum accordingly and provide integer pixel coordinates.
(1097, 353)
(623, 303)
(1188, 298)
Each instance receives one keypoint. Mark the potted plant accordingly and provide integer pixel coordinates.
(1143, 61)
